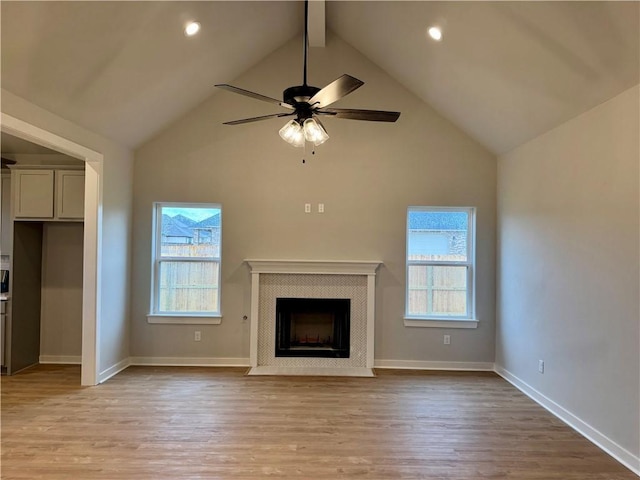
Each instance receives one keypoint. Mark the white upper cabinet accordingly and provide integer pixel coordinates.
(6, 237)
(70, 194)
(33, 193)
(46, 194)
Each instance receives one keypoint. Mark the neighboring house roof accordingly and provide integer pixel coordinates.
(172, 227)
(184, 220)
(181, 226)
(212, 221)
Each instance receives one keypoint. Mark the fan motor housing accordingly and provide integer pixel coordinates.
(299, 94)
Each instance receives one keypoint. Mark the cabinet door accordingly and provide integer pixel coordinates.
(5, 218)
(70, 194)
(33, 193)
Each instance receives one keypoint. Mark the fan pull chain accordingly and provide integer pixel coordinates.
(304, 152)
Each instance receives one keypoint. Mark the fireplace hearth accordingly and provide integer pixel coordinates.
(312, 327)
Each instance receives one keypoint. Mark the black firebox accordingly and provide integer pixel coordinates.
(312, 327)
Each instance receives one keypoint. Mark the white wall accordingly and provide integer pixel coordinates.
(367, 175)
(117, 180)
(568, 208)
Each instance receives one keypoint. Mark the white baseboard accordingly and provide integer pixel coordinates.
(61, 359)
(190, 361)
(113, 370)
(428, 365)
(622, 455)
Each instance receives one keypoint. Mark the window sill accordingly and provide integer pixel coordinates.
(440, 323)
(184, 319)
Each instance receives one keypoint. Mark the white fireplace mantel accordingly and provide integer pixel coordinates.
(320, 267)
(312, 267)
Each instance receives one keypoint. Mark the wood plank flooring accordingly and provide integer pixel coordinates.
(209, 423)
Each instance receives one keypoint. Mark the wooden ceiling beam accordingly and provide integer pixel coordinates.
(317, 23)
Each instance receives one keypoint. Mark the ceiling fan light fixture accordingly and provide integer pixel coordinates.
(292, 133)
(313, 132)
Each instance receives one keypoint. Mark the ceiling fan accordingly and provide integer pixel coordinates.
(306, 103)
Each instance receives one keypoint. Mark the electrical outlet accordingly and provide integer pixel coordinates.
(541, 366)
(321, 208)
(447, 339)
(197, 336)
(307, 208)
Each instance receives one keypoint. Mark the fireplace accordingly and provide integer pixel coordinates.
(312, 327)
(305, 280)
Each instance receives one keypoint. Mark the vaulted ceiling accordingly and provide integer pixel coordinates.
(505, 72)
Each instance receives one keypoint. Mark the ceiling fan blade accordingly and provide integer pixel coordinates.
(257, 96)
(335, 91)
(355, 114)
(257, 119)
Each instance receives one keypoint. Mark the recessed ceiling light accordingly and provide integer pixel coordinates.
(435, 33)
(191, 29)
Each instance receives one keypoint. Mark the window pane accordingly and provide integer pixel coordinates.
(190, 232)
(437, 290)
(189, 286)
(437, 235)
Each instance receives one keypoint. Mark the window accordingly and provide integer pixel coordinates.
(186, 261)
(440, 264)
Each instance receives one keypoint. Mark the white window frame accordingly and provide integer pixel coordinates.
(449, 321)
(174, 317)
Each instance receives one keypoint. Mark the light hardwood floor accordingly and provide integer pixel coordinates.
(209, 423)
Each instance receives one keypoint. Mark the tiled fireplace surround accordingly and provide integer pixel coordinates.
(272, 279)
